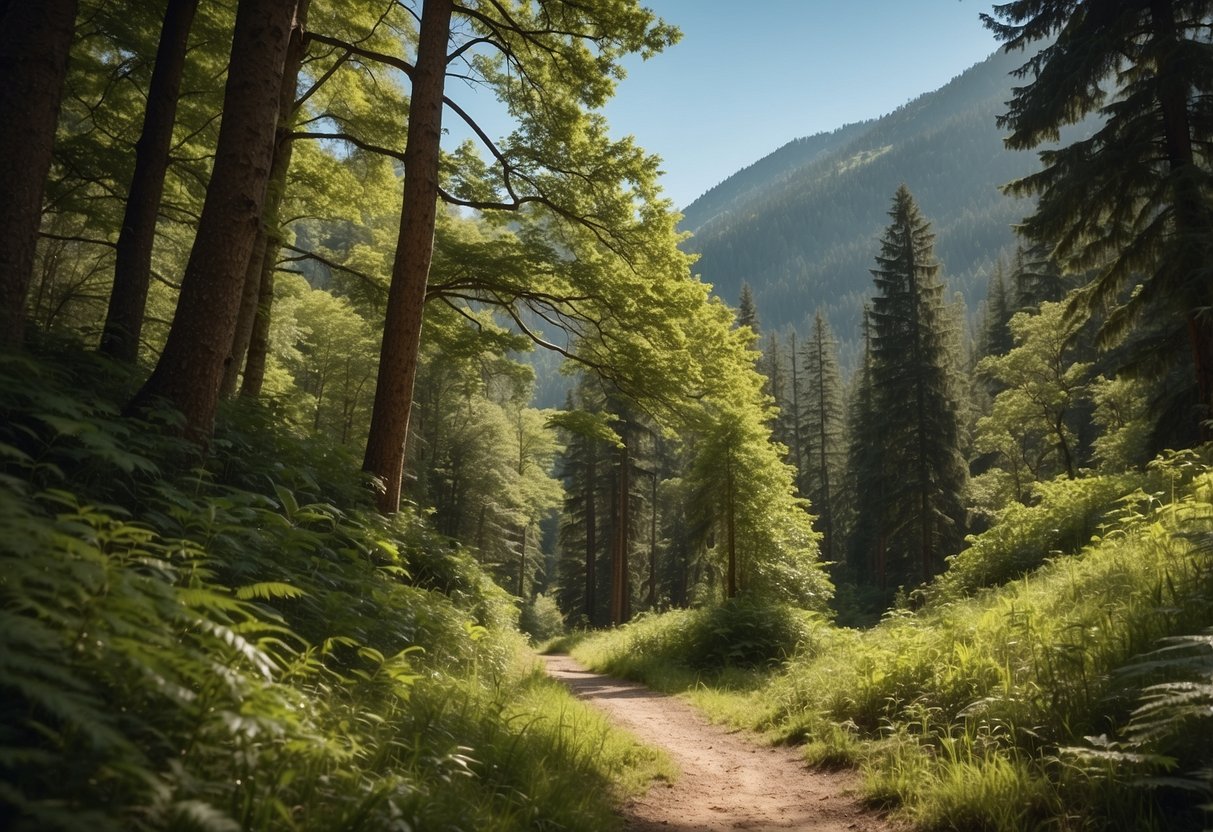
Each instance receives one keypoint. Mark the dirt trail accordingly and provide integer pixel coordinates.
(728, 781)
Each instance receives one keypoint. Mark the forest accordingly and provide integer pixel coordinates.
(283, 530)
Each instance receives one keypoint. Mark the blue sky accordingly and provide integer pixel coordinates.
(748, 77)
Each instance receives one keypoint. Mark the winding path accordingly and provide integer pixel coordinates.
(728, 780)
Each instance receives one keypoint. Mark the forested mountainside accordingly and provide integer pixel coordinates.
(800, 225)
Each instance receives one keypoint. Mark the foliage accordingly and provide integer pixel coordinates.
(541, 618)
(914, 475)
(1059, 519)
(225, 647)
(1030, 429)
(1131, 203)
(745, 632)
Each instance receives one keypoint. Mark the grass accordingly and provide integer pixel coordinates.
(985, 709)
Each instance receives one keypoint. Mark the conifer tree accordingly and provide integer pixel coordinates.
(1132, 202)
(918, 431)
(824, 420)
(747, 311)
(995, 334)
(866, 478)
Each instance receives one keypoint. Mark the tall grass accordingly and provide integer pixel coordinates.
(985, 709)
(240, 643)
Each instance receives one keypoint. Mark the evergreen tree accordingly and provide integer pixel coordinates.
(866, 478)
(747, 312)
(995, 334)
(824, 421)
(921, 520)
(1132, 202)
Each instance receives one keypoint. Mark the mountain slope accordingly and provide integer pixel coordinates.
(801, 225)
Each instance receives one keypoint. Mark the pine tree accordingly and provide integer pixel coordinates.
(919, 435)
(1132, 201)
(866, 479)
(747, 312)
(995, 334)
(824, 421)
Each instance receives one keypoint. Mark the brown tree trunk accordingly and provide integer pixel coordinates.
(410, 272)
(133, 259)
(199, 343)
(729, 519)
(251, 340)
(35, 37)
(591, 537)
(259, 338)
(619, 554)
(522, 564)
(246, 317)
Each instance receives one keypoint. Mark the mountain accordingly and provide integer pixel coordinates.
(802, 224)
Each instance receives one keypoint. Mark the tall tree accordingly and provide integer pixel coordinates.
(559, 57)
(415, 248)
(190, 368)
(824, 421)
(1134, 202)
(250, 337)
(919, 432)
(133, 254)
(34, 41)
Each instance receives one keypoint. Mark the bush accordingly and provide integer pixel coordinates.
(1064, 516)
(748, 632)
(541, 618)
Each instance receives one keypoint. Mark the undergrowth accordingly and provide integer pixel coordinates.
(1066, 687)
(238, 642)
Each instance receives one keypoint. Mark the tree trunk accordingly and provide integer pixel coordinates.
(522, 564)
(250, 343)
(653, 545)
(35, 37)
(246, 317)
(619, 555)
(200, 340)
(410, 272)
(259, 338)
(591, 541)
(1191, 212)
(730, 518)
(133, 259)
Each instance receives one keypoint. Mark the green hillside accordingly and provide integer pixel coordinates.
(801, 224)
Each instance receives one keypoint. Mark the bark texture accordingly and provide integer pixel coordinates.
(199, 343)
(410, 271)
(251, 341)
(133, 257)
(35, 36)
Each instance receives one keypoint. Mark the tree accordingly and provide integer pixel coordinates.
(824, 422)
(34, 42)
(133, 253)
(1031, 426)
(549, 73)
(1132, 201)
(190, 368)
(747, 310)
(918, 429)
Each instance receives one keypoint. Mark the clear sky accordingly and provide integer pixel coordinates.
(748, 77)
